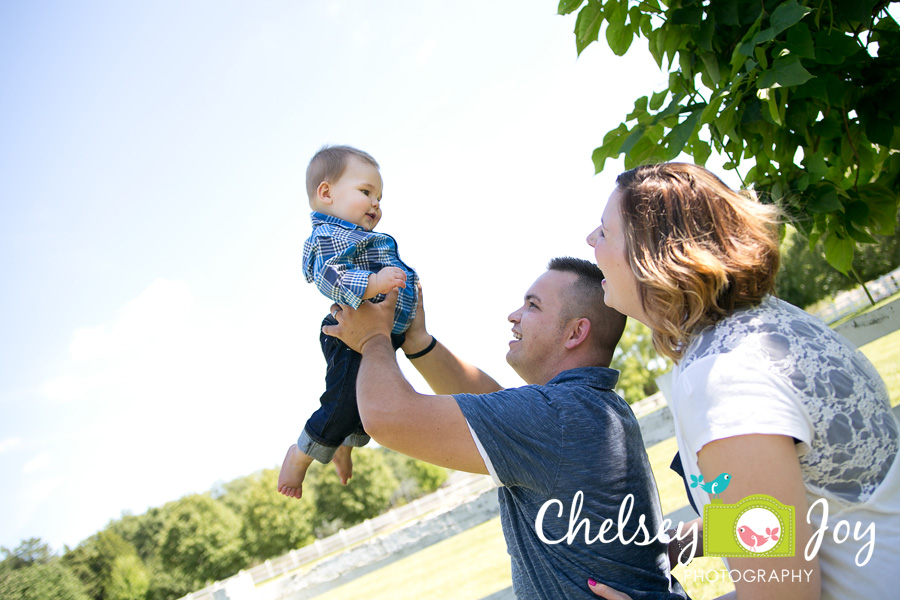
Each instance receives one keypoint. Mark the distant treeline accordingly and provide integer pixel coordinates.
(188, 543)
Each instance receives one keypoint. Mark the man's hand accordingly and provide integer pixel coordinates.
(385, 280)
(356, 327)
(417, 336)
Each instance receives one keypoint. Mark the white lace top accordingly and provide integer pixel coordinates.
(775, 369)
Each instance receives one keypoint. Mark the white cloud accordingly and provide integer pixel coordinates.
(9, 443)
(426, 50)
(144, 324)
(68, 388)
(37, 463)
(153, 329)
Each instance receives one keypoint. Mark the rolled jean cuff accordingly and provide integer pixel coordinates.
(320, 452)
(357, 440)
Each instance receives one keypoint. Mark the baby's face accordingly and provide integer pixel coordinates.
(356, 196)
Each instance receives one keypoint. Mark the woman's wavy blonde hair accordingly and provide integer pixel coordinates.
(699, 249)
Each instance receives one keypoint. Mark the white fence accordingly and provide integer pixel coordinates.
(443, 498)
(849, 302)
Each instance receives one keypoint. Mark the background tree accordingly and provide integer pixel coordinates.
(29, 552)
(367, 494)
(41, 581)
(638, 363)
(272, 524)
(142, 531)
(129, 579)
(806, 92)
(416, 477)
(182, 546)
(201, 540)
(805, 278)
(93, 561)
(168, 584)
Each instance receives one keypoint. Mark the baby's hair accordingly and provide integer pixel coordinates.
(328, 164)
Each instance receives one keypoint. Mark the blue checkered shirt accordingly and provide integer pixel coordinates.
(339, 257)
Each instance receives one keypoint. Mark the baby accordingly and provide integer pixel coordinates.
(349, 263)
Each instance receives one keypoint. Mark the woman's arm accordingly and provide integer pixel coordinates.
(766, 464)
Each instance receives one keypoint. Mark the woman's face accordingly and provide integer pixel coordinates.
(620, 286)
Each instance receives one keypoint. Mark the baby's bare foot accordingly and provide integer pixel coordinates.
(343, 464)
(293, 472)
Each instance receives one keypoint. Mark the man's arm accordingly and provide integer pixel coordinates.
(444, 372)
(430, 428)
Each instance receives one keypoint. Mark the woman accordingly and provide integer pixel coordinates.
(761, 390)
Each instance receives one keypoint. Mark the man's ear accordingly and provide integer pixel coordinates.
(323, 193)
(579, 331)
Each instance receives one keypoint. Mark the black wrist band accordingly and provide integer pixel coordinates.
(425, 351)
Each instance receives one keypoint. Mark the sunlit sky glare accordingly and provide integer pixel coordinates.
(157, 335)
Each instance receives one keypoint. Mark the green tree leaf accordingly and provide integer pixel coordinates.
(612, 141)
(725, 12)
(882, 203)
(839, 252)
(800, 42)
(834, 47)
(568, 6)
(687, 15)
(618, 35)
(786, 15)
(680, 134)
(786, 71)
(824, 200)
(587, 25)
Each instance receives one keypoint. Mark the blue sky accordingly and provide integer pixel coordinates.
(157, 335)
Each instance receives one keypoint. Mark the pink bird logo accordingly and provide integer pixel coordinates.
(754, 540)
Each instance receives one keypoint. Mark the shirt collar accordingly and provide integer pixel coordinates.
(599, 377)
(321, 218)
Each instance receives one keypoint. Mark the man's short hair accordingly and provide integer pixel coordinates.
(328, 164)
(586, 301)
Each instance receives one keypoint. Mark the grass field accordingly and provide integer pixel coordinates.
(885, 355)
(468, 566)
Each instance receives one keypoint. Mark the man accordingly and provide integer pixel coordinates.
(565, 449)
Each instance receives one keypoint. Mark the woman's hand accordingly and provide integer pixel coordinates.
(604, 591)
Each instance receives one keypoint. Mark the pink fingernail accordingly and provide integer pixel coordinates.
(592, 583)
